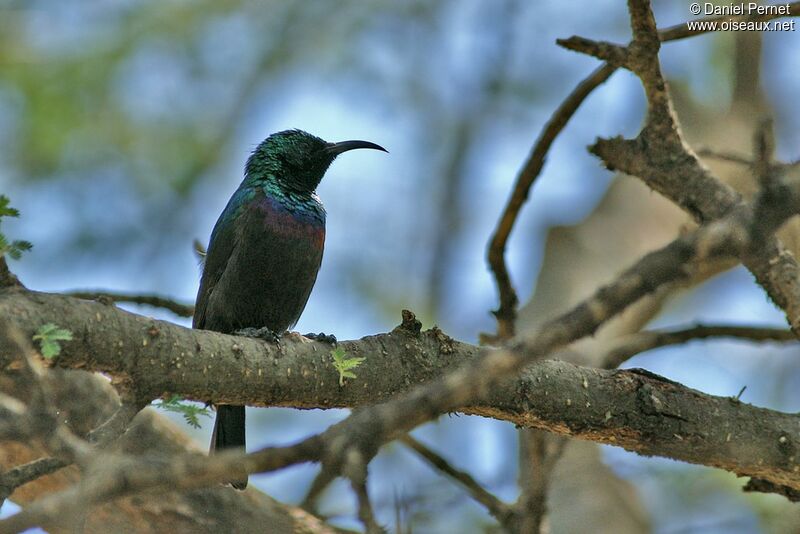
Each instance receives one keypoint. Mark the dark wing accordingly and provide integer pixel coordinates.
(221, 247)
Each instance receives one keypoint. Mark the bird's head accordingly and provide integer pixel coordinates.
(296, 159)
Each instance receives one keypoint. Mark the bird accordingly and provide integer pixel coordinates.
(265, 251)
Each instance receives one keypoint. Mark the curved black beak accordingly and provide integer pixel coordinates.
(334, 149)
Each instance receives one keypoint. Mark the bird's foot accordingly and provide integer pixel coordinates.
(330, 339)
(261, 333)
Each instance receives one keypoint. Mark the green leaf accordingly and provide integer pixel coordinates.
(191, 412)
(49, 336)
(14, 249)
(343, 364)
(5, 209)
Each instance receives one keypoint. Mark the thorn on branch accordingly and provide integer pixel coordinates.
(199, 250)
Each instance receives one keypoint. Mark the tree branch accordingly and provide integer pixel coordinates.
(22, 474)
(661, 158)
(629, 346)
(506, 312)
(540, 452)
(499, 510)
(85, 400)
(157, 301)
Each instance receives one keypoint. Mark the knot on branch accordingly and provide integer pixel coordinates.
(410, 324)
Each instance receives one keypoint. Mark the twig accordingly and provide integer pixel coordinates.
(629, 346)
(764, 151)
(157, 301)
(725, 156)
(22, 474)
(539, 453)
(365, 512)
(613, 54)
(104, 434)
(117, 424)
(499, 510)
(506, 313)
(318, 485)
(730, 157)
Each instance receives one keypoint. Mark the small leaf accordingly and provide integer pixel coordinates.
(191, 412)
(49, 336)
(343, 364)
(5, 209)
(15, 248)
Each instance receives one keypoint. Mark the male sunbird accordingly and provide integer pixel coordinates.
(265, 251)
